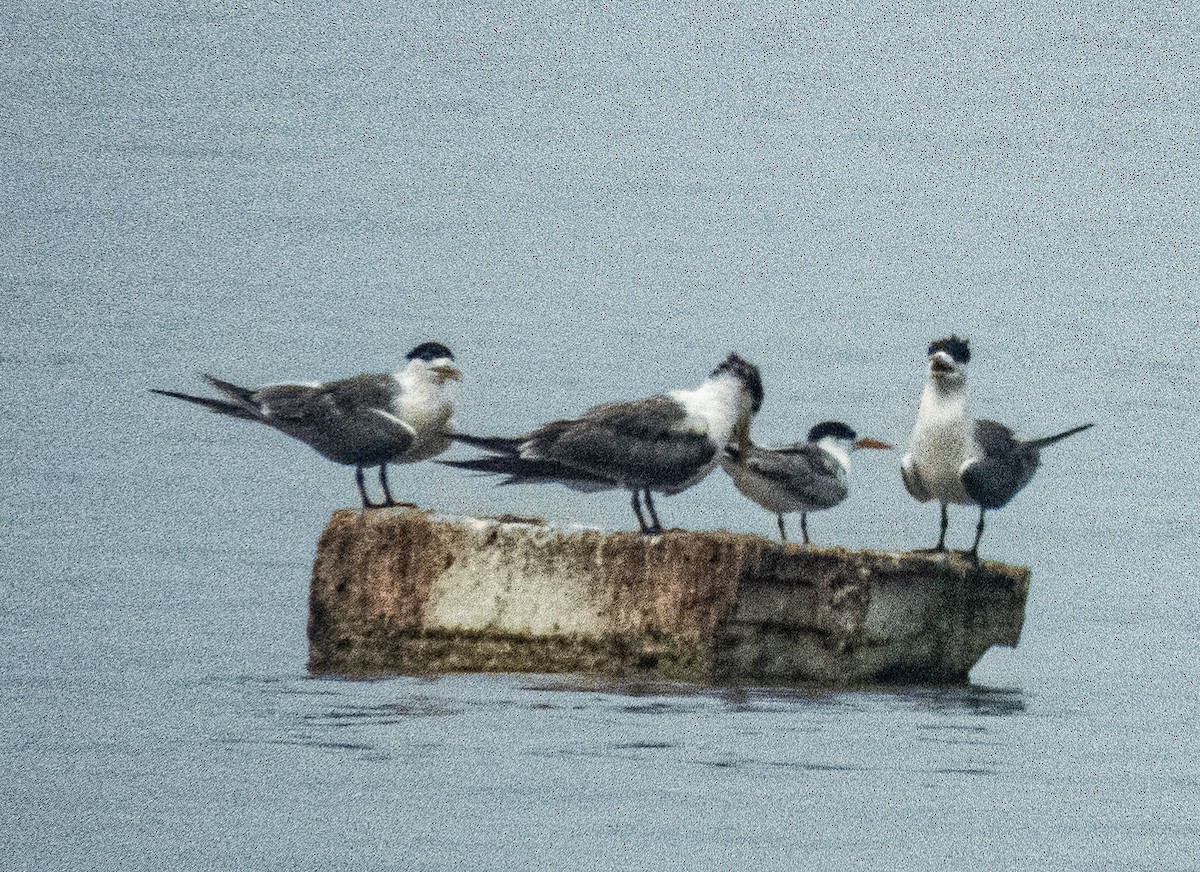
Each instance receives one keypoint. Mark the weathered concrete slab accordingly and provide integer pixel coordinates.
(403, 592)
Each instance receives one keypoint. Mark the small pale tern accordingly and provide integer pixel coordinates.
(955, 458)
(363, 421)
(803, 477)
(665, 443)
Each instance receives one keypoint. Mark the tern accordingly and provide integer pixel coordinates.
(803, 477)
(363, 421)
(665, 443)
(955, 458)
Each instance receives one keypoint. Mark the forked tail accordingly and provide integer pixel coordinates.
(225, 407)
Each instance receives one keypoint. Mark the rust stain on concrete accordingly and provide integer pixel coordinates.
(403, 592)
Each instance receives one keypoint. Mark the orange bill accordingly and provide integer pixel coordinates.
(869, 442)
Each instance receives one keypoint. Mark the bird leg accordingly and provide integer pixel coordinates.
(362, 490)
(656, 526)
(941, 545)
(974, 552)
(804, 526)
(637, 510)
(387, 494)
(782, 531)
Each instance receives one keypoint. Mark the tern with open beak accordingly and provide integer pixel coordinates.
(363, 421)
(954, 458)
(662, 444)
(803, 477)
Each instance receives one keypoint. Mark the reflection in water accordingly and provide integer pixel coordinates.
(556, 720)
(973, 699)
(383, 713)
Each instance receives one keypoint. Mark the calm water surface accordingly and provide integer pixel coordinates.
(588, 205)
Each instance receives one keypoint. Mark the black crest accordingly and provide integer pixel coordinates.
(747, 373)
(429, 351)
(836, 429)
(952, 345)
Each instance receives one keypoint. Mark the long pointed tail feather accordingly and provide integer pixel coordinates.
(224, 407)
(492, 464)
(1058, 437)
(500, 444)
(520, 470)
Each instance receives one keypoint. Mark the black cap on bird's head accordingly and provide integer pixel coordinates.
(844, 433)
(952, 345)
(747, 374)
(836, 429)
(429, 351)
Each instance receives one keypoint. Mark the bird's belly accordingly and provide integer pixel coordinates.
(778, 497)
(770, 496)
(430, 434)
(670, 488)
(937, 457)
(425, 447)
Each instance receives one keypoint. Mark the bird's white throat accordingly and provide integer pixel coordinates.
(836, 450)
(942, 406)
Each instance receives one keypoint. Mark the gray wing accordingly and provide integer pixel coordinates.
(1004, 465)
(344, 398)
(641, 444)
(347, 421)
(805, 471)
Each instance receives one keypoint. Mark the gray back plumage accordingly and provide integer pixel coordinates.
(806, 472)
(637, 444)
(340, 419)
(1005, 466)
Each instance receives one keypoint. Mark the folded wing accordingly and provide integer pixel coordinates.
(647, 443)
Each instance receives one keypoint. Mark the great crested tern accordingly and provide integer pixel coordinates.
(803, 477)
(955, 458)
(665, 443)
(363, 421)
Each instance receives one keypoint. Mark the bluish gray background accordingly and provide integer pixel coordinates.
(588, 203)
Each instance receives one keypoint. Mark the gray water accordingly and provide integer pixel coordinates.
(588, 204)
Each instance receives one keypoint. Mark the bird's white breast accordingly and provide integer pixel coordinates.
(425, 405)
(941, 441)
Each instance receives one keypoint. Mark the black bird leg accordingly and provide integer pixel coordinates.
(387, 494)
(362, 490)
(804, 526)
(637, 510)
(656, 527)
(974, 552)
(782, 531)
(941, 545)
